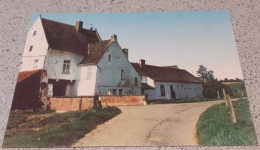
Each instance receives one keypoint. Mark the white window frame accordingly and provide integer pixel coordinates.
(66, 67)
(35, 63)
(89, 70)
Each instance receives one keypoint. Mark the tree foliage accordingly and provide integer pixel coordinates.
(204, 74)
(210, 89)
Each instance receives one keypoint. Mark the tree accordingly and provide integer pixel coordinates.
(210, 89)
(204, 74)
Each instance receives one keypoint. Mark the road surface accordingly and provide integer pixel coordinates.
(151, 125)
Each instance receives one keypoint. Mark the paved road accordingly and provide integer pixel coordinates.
(151, 125)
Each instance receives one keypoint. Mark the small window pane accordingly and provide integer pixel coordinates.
(162, 90)
(30, 49)
(120, 91)
(34, 33)
(66, 67)
(89, 73)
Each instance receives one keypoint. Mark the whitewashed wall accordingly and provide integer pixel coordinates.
(182, 90)
(85, 86)
(39, 50)
(54, 64)
(110, 72)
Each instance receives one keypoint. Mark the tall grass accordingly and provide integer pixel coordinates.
(215, 127)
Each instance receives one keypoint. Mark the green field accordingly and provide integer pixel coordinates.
(215, 128)
(236, 86)
(51, 129)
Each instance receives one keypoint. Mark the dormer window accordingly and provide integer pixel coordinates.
(34, 33)
(109, 58)
(30, 49)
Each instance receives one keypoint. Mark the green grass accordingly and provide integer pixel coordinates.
(190, 100)
(215, 127)
(53, 129)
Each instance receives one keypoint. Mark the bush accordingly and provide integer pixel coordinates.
(210, 89)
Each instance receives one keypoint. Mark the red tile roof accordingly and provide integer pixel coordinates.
(166, 73)
(27, 74)
(64, 37)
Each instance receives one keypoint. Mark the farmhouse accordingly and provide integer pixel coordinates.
(76, 62)
(167, 82)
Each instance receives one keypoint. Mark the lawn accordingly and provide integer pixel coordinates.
(49, 129)
(188, 100)
(215, 128)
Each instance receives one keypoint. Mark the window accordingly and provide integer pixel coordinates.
(35, 63)
(34, 33)
(30, 49)
(114, 91)
(109, 58)
(122, 74)
(66, 67)
(120, 91)
(162, 90)
(136, 82)
(89, 73)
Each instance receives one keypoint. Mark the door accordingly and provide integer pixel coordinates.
(172, 92)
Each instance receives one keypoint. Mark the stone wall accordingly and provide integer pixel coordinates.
(122, 100)
(71, 104)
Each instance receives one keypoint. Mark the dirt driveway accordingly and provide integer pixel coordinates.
(151, 125)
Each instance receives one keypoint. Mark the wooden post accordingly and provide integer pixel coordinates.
(225, 98)
(218, 94)
(232, 112)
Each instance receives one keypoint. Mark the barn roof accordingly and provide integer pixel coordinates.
(27, 74)
(166, 73)
(96, 51)
(65, 37)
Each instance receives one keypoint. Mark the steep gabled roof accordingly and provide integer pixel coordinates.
(64, 37)
(96, 51)
(166, 73)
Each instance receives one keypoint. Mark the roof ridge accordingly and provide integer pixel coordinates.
(65, 24)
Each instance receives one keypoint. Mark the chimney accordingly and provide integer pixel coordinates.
(142, 63)
(125, 51)
(113, 38)
(79, 26)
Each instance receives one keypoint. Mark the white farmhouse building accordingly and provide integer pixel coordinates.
(77, 61)
(167, 82)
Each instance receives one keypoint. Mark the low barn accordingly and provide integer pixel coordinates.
(167, 82)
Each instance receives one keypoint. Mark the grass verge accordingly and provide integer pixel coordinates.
(51, 129)
(190, 100)
(215, 128)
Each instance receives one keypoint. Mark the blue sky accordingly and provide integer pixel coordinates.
(187, 39)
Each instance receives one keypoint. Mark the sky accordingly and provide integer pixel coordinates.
(186, 39)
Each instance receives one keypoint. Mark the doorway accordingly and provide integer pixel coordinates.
(59, 87)
(172, 92)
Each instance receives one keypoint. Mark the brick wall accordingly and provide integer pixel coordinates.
(122, 100)
(71, 104)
